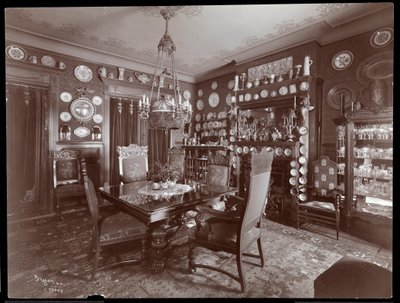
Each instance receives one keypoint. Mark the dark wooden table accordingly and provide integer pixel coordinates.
(155, 210)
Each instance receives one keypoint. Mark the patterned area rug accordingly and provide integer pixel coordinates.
(48, 259)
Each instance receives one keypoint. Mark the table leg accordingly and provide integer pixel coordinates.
(158, 246)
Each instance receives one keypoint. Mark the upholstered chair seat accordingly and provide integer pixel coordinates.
(120, 226)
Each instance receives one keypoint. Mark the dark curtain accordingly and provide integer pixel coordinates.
(23, 122)
(158, 145)
(123, 131)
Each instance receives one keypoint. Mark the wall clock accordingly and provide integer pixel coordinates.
(342, 60)
(200, 104)
(213, 99)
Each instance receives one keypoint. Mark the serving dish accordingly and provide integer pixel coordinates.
(81, 131)
(82, 109)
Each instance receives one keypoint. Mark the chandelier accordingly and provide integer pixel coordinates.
(167, 110)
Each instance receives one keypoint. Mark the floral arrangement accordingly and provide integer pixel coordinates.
(163, 173)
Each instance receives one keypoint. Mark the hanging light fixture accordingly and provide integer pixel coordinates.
(167, 110)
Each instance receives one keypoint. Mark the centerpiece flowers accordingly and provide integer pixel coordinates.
(162, 176)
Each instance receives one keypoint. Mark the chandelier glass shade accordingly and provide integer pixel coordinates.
(165, 109)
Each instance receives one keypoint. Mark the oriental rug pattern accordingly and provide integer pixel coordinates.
(48, 259)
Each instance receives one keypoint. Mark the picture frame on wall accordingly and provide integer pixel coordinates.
(175, 138)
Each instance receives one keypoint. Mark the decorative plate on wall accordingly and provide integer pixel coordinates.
(16, 52)
(81, 131)
(198, 117)
(342, 60)
(65, 116)
(338, 91)
(97, 118)
(82, 109)
(48, 61)
(214, 85)
(97, 100)
(83, 73)
(228, 99)
(200, 92)
(231, 84)
(186, 94)
(200, 104)
(66, 97)
(381, 37)
(213, 99)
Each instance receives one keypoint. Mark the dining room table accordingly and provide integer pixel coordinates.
(157, 208)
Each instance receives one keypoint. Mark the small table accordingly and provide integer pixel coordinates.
(154, 210)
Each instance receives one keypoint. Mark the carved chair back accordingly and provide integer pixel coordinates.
(66, 167)
(133, 162)
(218, 169)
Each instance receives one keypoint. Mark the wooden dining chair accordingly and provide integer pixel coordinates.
(110, 229)
(133, 163)
(323, 205)
(176, 160)
(67, 177)
(218, 173)
(237, 228)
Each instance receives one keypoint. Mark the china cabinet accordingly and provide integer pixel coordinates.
(369, 172)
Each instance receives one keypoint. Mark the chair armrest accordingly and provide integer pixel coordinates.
(234, 204)
(206, 216)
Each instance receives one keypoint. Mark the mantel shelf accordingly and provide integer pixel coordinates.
(136, 84)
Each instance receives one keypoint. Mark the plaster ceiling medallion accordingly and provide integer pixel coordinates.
(338, 91)
(379, 66)
(381, 37)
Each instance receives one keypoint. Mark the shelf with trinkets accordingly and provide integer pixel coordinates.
(196, 159)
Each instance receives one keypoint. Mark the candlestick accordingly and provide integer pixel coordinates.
(140, 103)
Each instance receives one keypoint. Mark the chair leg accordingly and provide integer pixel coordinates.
(191, 267)
(242, 278)
(96, 258)
(260, 251)
(337, 225)
(58, 209)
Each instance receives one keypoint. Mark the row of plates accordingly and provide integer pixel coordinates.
(283, 90)
(66, 117)
(67, 97)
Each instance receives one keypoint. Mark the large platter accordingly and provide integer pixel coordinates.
(83, 73)
(82, 109)
(213, 99)
(16, 52)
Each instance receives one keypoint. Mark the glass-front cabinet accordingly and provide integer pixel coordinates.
(369, 164)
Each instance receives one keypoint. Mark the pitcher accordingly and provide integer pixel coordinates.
(306, 66)
(102, 71)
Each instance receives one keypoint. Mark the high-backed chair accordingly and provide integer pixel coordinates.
(110, 229)
(67, 177)
(237, 228)
(324, 199)
(218, 172)
(176, 159)
(133, 163)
